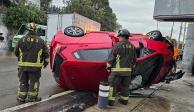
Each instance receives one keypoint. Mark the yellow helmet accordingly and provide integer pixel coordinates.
(31, 27)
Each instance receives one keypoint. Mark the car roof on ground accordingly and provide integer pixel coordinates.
(88, 38)
(97, 37)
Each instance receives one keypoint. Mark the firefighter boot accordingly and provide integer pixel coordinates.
(37, 99)
(124, 102)
(20, 100)
(111, 102)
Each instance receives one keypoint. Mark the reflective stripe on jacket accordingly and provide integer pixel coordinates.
(122, 58)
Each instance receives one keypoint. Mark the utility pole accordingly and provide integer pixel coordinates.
(157, 25)
(172, 30)
(180, 33)
(184, 35)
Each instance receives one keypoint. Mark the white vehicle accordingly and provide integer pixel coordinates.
(3, 37)
(41, 30)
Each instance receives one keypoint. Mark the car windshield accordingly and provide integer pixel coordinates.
(93, 55)
(22, 30)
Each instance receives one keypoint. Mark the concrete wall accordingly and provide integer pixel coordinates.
(174, 10)
(85, 23)
(57, 22)
(188, 56)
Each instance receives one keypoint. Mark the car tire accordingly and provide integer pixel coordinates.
(74, 31)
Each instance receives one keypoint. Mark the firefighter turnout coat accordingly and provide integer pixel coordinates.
(122, 58)
(32, 52)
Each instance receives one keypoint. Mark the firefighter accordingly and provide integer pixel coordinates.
(176, 53)
(120, 63)
(32, 54)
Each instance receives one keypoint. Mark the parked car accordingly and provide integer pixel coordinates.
(78, 59)
(41, 31)
(1, 37)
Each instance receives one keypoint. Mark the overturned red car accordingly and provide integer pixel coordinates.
(78, 59)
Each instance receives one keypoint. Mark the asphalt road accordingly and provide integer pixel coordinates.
(9, 81)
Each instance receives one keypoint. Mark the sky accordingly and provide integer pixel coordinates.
(137, 16)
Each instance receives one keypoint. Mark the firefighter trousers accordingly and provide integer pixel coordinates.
(116, 79)
(29, 84)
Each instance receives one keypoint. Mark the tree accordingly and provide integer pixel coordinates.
(55, 9)
(44, 5)
(20, 13)
(5, 2)
(98, 10)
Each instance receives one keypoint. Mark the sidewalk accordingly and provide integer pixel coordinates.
(6, 54)
(175, 97)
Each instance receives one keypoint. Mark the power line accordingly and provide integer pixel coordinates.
(184, 35)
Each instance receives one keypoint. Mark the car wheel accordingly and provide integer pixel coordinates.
(74, 31)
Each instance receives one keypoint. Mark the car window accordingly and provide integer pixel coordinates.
(22, 30)
(145, 52)
(93, 55)
(41, 32)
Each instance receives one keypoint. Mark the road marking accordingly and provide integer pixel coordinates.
(33, 103)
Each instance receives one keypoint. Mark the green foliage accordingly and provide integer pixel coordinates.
(22, 14)
(44, 5)
(98, 10)
(55, 9)
(3, 9)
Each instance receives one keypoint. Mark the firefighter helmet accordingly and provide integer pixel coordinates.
(31, 27)
(124, 33)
